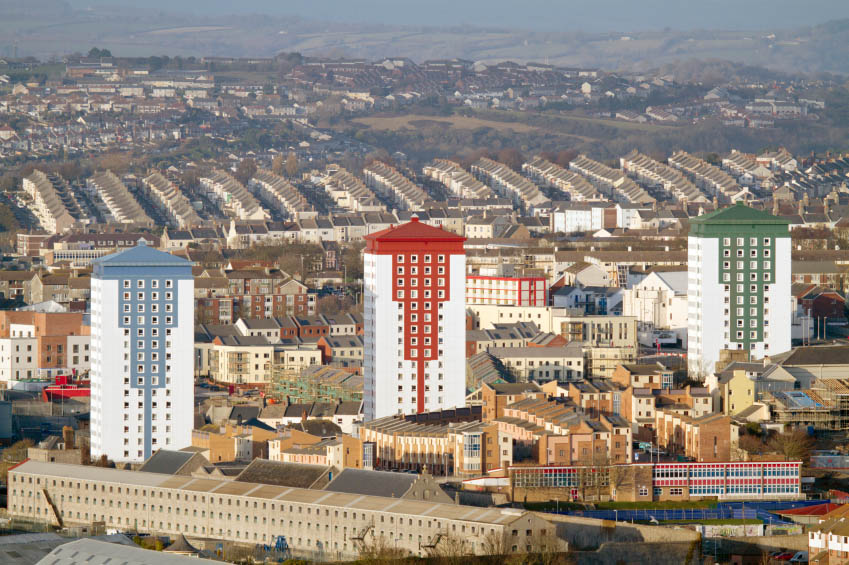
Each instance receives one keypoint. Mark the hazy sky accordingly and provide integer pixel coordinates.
(545, 15)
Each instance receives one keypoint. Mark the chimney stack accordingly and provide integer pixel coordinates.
(68, 437)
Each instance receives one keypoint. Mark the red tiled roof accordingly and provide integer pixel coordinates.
(414, 231)
(816, 510)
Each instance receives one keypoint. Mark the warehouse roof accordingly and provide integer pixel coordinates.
(280, 494)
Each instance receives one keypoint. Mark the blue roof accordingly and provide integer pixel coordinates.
(141, 256)
(801, 400)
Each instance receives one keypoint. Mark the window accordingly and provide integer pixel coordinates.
(767, 241)
(726, 241)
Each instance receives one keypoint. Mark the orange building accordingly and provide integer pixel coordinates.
(36, 345)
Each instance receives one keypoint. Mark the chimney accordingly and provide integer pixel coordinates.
(68, 437)
(801, 207)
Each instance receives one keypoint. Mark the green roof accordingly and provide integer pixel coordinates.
(739, 214)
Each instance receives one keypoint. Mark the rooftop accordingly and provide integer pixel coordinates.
(414, 230)
(739, 214)
(372, 483)
(271, 493)
(141, 256)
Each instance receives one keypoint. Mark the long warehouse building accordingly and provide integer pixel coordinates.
(243, 512)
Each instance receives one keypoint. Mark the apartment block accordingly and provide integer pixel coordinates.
(739, 286)
(506, 290)
(36, 345)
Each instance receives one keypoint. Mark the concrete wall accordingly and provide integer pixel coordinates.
(589, 534)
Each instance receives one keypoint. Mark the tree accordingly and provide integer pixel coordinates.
(794, 445)
(496, 544)
(245, 171)
(13, 455)
(292, 165)
(352, 258)
(118, 163)
(449, 550)
(547, 549)
(511, 157)
(751, 444)
(95, 53)
(565, 157)
(379, 551)
(277, 164)
(331, 305)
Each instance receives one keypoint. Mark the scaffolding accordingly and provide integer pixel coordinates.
(822, 408)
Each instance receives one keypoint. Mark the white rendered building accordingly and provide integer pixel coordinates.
(414, 357)
(142, 339)
(659, 303)
(738, 286)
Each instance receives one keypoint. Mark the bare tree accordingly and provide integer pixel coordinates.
(547, 549)
(245, 171)
(449, 550)
(794, 445)
(379, 550)
(511, 157)
(495, 544)
(292, 165)
(277, 164)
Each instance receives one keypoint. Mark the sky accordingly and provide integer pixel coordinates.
(539, 15)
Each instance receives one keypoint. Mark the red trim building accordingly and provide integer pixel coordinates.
(414, 320)
(507, 291)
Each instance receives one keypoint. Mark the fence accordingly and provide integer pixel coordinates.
(758, 510)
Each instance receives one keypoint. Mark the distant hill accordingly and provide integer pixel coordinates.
(47, 28)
